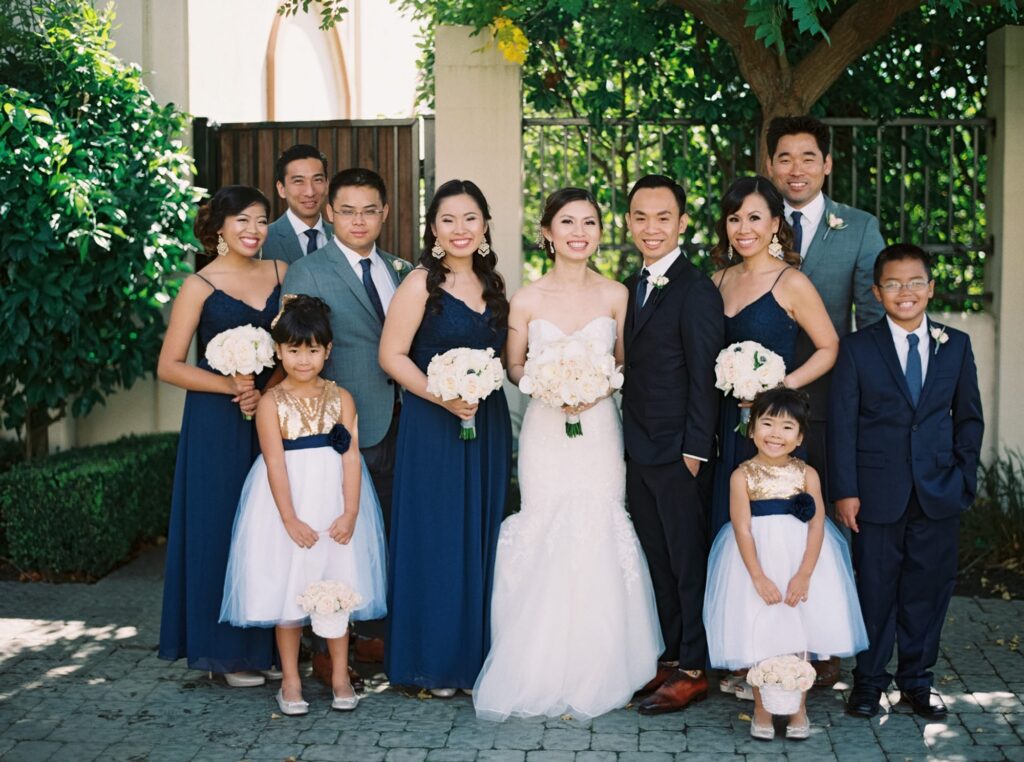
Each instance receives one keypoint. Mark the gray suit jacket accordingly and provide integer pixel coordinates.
(327, 274)
(282, 244)
(840, 264)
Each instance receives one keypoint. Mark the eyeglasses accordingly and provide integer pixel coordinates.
(895, 286)
(370, 215)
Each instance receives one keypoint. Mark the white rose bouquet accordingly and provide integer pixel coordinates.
(240, 351)
(466, 374)
(782, 679)
(568, 372)
(743, 370)
(329, 603)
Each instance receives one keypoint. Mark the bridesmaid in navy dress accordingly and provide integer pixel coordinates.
(217, 445)
(449, 495)
(767, 300)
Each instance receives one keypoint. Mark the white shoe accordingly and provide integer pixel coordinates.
(243, 679)
(291, 708)
(468, 692)
(766, 733)
(272, 674)
(442, 692)
(344, 703)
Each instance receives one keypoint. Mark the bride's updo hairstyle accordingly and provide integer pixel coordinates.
(227, 202)
(303, 321)
(485, 266)
(783, 402)
(553, 205)
(731, 203)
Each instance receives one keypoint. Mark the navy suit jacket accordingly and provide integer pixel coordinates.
(881, 446)
(670, 403)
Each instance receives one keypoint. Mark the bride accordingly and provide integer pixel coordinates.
(574, 629)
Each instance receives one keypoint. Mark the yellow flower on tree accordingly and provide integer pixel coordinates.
(510, 38)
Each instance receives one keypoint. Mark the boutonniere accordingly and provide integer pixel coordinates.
(657, 281)
(939, 336)
(833, 222)
(399, 264)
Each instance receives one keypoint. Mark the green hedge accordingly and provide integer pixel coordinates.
(82, 511)
(12, 453)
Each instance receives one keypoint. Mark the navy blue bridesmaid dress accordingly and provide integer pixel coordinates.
(765, 322)
(216, 450)
(447, 507)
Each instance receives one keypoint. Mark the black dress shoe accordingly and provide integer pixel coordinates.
(924, 703)
(863, 701)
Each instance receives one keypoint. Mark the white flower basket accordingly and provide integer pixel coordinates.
(333, 625)
(780, 701)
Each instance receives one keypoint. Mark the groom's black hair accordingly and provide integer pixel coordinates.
(303, 321)
(782, 401)
(659, 181)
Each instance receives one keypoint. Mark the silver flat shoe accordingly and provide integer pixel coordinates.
(468, 692)
(243, 679)
(799, 732)
(291, 708)
(744, 692)
(442, 692)
(344, 703)
(762, 733)
(272, 674)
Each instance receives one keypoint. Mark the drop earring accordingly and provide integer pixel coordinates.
(731, 253)
(436, 251)
(484, 248)
(775, 248)
(222, 245)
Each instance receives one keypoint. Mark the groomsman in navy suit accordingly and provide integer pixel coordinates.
(837, 246)
(905, 429)
(301, 179)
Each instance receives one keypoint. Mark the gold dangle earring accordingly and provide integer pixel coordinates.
(222, 245)
(731, 253)
(775, 248)
(484, 248)
(436, 251)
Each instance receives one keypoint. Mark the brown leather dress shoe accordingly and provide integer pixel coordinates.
(828, 672)
(324, 672)
(665, 671)
(676, 693)
(368, 650)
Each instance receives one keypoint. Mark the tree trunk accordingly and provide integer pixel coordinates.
(37, 433)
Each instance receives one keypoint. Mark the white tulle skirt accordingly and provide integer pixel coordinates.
(742, 629)
(267, 571)
(574, 628)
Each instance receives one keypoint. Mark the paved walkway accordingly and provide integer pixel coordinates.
(79, 680)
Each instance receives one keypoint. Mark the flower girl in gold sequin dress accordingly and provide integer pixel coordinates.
(308, 511)
(780, 579)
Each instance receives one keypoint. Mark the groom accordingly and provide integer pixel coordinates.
(675, 328)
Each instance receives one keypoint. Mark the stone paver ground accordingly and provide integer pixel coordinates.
(80, 680)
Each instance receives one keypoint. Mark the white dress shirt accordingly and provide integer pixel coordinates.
(301, 227)
(378, 271)
(660, 268)
(812, 213)
(899, 338)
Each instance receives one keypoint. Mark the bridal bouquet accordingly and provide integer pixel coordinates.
(568, 372)
(241, 351)
(329, 604)
(467, 374)
(743, 370)
(782, 679)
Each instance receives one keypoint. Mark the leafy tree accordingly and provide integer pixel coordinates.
(95, 212)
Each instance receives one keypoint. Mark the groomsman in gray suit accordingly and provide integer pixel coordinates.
(357, 280)
(838, 245)
(301, 177)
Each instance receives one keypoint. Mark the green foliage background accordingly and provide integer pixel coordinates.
(95, 211)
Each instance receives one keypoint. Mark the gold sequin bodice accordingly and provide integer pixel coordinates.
(305, 416)
(766, 482)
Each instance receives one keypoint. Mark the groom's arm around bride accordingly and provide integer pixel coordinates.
(674, 331)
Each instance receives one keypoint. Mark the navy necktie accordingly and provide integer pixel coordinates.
(913, 371)
(798, 231)
(641, 289)
(312, 235)
(371, 290)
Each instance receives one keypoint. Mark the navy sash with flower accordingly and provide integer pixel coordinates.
(801, 505)
(337, 438)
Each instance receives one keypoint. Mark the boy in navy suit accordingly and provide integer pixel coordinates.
(904, 436)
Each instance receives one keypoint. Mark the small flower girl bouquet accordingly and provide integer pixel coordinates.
(467, 374)
(241, 351)
(743, 370)
(567, 372)
(782, 680)
(329, 604)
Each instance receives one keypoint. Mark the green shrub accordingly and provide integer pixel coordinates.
(82, 511)
(993, 528)
(12, 453)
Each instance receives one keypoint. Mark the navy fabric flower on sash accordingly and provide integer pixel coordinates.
(802, 506)
(340, 439)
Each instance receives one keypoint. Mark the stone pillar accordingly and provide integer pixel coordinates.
(1005, 271)
(479, 134)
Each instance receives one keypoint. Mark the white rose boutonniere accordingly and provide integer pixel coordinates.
(939, 336)
(657, 281)
(834, 222)
(398, 264)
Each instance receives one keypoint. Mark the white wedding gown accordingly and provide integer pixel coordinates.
(574, 628)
